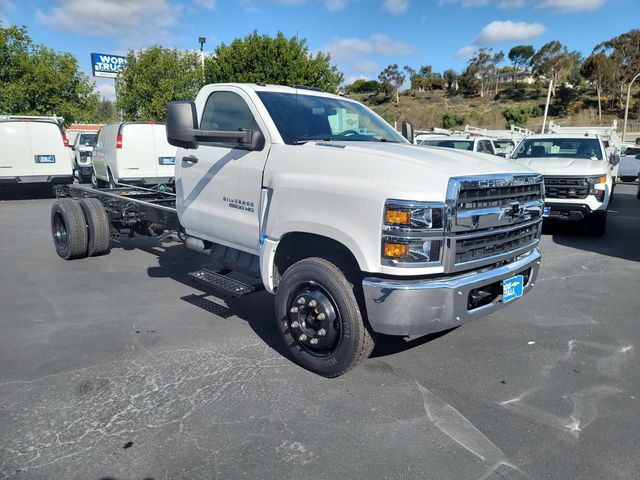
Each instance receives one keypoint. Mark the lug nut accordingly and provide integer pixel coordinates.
(295, 324)
(321, 316)
(322, 332)
(312, 303)
(301, 301)
(302, 337)
(294, 310)
(313, 341)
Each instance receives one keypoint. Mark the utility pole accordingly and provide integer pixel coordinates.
(546, 107)
(626, 109)
(202, 41)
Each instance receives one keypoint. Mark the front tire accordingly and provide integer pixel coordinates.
(96, 182)
(320, 319)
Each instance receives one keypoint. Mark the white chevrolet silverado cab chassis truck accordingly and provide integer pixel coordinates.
(319, 201)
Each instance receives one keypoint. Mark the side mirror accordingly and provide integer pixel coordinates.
(183, 131)
(407, 131)
(614, 160)
(72, 147)
(182, 123)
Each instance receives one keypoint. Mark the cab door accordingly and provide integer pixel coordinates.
(219, 184)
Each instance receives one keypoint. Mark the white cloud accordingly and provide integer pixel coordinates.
(396, 7)
(249, 6)
(7, 7)
(355, 48)
(106, 88)
(465, 53)
(572, 5)
(366, 66)
(141, 20)
(335, 5)
(511, 3)
(206, 4)
(508, 31)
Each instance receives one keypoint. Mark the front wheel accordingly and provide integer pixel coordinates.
(320, 319)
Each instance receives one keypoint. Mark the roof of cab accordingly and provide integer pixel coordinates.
(300, 89)
(562, 135)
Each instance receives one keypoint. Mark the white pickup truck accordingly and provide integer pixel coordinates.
(577, 175)
(316, 199)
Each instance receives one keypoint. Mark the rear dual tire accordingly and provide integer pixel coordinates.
(80, 228)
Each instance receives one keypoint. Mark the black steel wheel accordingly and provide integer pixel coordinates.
(99, 237)
(69, 229)
(96, 182)
(320, 318)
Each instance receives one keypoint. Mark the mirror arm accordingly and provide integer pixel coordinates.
(244, 136)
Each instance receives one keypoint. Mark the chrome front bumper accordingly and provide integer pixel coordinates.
(418, 307)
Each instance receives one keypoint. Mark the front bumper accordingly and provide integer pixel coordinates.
(419, 307)
(85, 170)
(570, 211)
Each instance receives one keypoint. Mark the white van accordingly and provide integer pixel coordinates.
(133, 153)
(34, 151)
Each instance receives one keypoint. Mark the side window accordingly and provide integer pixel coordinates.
(227, 111)
(100, 139)
(481, 147)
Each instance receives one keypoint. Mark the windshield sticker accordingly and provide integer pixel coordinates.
(555, 148)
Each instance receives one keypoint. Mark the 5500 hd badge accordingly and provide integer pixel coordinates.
(239, 204)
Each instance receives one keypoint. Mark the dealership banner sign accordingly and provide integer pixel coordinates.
(107, 65)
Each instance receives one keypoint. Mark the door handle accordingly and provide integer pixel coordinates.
(190, 159)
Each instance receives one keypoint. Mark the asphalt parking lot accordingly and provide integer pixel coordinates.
(119, 367)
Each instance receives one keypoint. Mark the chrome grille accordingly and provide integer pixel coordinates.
(566, 187)
(493, 218)
(489, 245)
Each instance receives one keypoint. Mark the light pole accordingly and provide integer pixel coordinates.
(626, 109)
(202, 41)
(546, 106)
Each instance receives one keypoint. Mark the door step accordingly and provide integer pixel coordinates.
(223, 282)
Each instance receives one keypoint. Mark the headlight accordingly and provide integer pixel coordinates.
(413, 215)
(412, 233)
(597, 186)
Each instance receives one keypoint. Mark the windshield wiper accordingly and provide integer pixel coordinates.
(302, 141)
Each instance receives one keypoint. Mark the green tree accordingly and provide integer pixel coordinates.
(36, 80)
(520, 55)
(451, 78)
(625, 51)
(602, 71)
(278, 60)
(392, 79)
(106, 112)
(363, 86)
(554, 62)
(155, 76)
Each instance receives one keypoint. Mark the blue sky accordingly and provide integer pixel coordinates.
(363, 36)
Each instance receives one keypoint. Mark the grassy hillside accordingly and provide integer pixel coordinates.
(426, 110)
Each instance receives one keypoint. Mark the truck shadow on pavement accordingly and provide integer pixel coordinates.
(622, 238)
(258, 310)
(26, 192)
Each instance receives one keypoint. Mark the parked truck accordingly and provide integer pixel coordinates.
(577, 175)
(316, 199)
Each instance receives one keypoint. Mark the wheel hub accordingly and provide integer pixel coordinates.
(59, 231)
(313, 320)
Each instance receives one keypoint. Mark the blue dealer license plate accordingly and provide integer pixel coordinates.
(546, 212)
(512, 288)
(167, 160)
(45, 159)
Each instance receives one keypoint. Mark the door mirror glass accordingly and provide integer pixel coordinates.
(182, 123)
(407, 131)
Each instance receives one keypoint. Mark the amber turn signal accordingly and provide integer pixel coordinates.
(397, 217)
(395, 250)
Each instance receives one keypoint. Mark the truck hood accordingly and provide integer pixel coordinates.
(401, 170)
(564, 166)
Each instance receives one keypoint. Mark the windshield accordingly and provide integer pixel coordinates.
(559, 148)
(503, 143)
(446, 143)
(300, 118)
(632, 151)
(87, 139)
